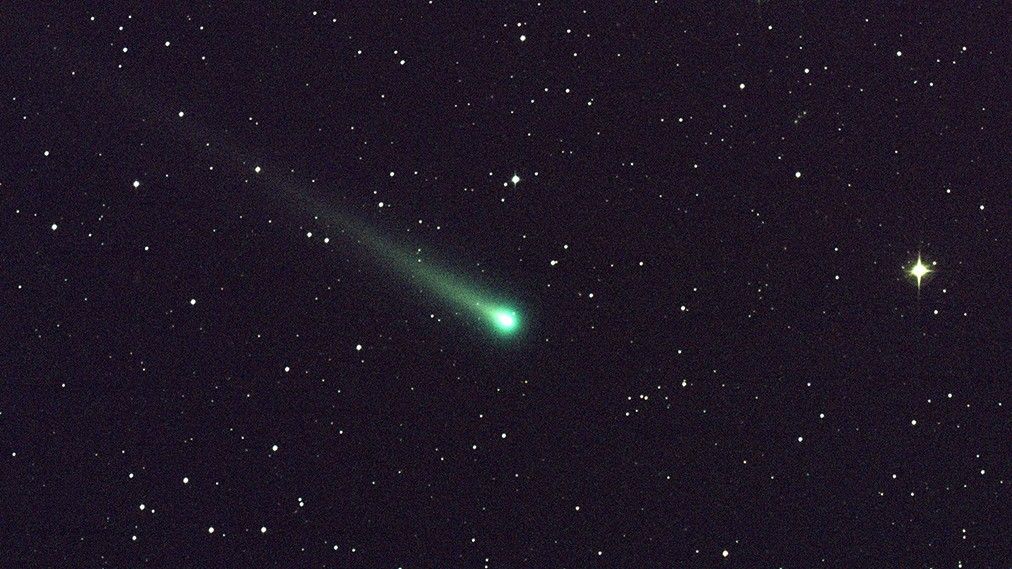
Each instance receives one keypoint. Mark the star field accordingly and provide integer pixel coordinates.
(505, 285)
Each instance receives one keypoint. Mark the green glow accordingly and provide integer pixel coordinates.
(463, 297)
(506, 320)
(487, 308)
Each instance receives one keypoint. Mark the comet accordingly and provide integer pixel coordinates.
(464, 297)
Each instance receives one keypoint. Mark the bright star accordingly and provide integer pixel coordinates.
(515, 179)
(919, 271)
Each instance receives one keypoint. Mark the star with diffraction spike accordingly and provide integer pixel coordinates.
(919, 271)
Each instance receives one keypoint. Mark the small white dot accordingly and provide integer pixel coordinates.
(913, 421)
(899, 53)
(193, 301)
(263, 529)
(309, 234)
(358, 347)
(46, 153)
(53, 227)
(186, 480)
(181, 114)
(741, 85)
(137, 183)
(274, 448)
(167, 44)
(142, 507)
(725, 553)
(257, 169)
(210, 529)
(523, 38)
(797, 174)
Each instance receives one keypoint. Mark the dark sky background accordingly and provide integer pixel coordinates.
(723, 362)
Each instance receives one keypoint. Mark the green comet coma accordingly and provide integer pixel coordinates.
(506, 320)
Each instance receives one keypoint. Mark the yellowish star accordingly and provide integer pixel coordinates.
(919, 271)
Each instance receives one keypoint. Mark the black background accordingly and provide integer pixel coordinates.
(638, 433)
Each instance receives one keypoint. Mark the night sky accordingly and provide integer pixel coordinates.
(241, 248)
